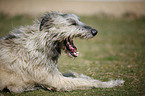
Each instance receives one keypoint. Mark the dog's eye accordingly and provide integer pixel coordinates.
(74, 23)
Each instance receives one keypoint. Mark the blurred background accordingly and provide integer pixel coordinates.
(83, 7)
(117, 52)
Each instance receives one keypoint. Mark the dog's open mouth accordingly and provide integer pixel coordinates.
(70, 47)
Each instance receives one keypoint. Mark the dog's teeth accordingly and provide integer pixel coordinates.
(76, 53)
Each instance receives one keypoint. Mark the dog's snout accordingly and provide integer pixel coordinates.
(94, 32)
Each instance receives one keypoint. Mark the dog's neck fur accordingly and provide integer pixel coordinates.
(49, 50)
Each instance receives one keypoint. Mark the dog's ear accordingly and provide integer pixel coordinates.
(46, 23)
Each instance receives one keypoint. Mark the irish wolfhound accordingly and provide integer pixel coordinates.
(29, 55)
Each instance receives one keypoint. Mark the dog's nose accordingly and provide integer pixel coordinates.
(94, 32)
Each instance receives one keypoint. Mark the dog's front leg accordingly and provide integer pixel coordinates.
(59, 82)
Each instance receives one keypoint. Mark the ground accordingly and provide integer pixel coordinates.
(117, 52)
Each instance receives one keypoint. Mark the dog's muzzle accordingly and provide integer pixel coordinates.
(93, 31)
(69, 46)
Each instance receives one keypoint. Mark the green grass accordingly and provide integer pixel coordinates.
(117, 52)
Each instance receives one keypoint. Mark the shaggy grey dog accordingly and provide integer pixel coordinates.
(29, 55)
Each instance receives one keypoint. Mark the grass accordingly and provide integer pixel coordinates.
(117, 52)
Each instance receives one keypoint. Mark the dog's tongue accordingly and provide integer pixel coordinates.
(68, 42)
(73, 50)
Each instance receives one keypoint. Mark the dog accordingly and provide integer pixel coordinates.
(29, 55)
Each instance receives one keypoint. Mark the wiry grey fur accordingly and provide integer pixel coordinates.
(28, 55)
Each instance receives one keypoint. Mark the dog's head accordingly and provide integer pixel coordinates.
(63, 28)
